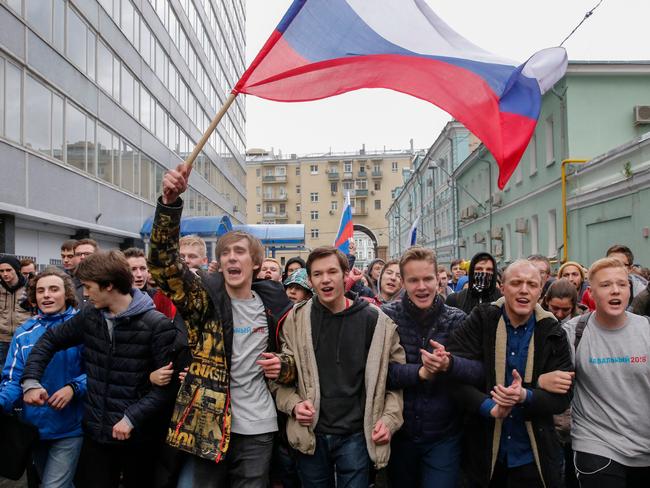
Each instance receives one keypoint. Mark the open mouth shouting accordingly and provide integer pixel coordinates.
(327, 291)
(233, 271)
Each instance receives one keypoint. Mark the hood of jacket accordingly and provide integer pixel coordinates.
(140, 304)
(482, 256)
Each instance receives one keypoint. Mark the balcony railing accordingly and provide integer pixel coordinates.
(333, 176)
(361, 193)
(275, 198)
(274, 179)
(348, 175)
(275, 215)
(362, 174)
(377, 173)
(360, 211)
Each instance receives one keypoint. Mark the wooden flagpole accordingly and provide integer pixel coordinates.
(213, 125)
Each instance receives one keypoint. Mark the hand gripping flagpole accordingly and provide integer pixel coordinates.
(213, 125)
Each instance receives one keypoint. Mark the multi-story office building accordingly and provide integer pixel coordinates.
(311, 190)
(97, 99)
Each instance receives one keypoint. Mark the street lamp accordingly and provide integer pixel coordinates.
(432, 166)
(489, 198)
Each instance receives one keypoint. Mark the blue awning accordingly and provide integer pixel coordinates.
(201, 226)
(277, 234)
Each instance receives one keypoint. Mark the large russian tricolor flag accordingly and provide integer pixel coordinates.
(323, 48)
(346, 228)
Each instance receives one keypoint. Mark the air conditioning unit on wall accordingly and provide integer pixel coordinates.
(497, 233)
(642, 114)
(521, 225)
(497, 249)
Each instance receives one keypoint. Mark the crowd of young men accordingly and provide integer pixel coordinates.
(169, 371)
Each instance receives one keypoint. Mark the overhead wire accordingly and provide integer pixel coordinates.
(587, 15)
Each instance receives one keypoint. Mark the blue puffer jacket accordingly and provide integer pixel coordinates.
(66, 368)
(429, 412)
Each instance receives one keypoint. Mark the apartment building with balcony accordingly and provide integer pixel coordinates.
(311, 190)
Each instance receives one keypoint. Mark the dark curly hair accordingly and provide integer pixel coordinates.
(70, 299)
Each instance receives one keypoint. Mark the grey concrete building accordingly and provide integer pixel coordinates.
(97, 99)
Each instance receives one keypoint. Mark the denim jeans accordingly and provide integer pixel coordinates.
(56, 461)
(424, 463)
(246, 465)
(4, 350)
(339, 460)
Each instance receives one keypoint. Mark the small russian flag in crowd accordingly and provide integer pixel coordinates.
(346, 228)
(413, 233)
(323, 48)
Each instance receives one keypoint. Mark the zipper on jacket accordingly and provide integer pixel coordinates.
(186, 412)
(223, 428)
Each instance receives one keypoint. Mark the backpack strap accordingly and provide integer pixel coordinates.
(580, 328)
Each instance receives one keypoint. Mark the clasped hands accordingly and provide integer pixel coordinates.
(433, 362)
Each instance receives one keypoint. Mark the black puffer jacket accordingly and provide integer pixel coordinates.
(469, 298)
(117, 368)
(429, 411)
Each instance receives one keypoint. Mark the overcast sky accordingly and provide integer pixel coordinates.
(514, 29)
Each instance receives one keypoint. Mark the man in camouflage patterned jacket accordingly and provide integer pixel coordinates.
(224, 413)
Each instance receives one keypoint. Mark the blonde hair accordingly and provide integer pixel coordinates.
(194, 241)
(417, 253)
(605, 263)
(273, 260)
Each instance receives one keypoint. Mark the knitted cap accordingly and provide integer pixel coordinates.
(572, 263)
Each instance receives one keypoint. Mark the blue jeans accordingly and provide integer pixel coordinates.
(343, 458)
(246, 465)
(424, 463)
(56, 461)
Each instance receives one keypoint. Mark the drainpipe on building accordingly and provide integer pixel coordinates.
(565, 216)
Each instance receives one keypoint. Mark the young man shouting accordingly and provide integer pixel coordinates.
(610, 425)
(341, 414)
(224, 413)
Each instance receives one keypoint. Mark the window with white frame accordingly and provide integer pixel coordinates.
(315, 233)
(548, 137)
(313, 197)
(347, 166)
(334, 205)
(534, 235)
(552, 233)
(314, 214)
(532, 155)
(313, 169)
(258, 208)
(394, 167)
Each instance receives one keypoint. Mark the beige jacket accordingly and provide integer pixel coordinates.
(11, 314)
(381, 404)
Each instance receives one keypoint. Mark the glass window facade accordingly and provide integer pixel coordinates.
(65, 128)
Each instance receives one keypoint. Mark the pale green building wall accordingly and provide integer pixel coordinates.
(590, 115)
